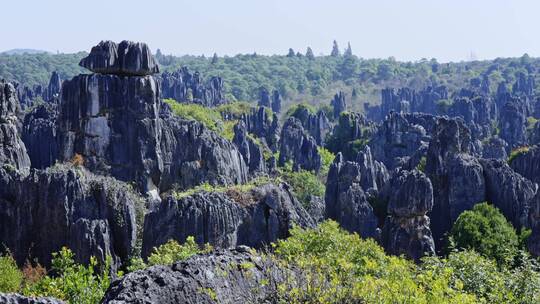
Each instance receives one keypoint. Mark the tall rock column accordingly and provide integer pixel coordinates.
(12, 149)
(406, 229)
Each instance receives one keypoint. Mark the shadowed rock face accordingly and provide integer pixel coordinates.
(40, 135)
(346, 202)
(528, 164)
(406, 230)
(338, 103)
(298, 146)
(12, 149)
(508, 191)
(224, 273)
(253, 218)
(251, 152)
(118, 125)
(12, 298)
(126, 58)
(64, 206)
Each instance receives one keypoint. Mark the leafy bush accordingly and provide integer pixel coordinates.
(485, 230)
(235, 109)
(339, 267)
(169, 253)
(11, 277)
(304, 184)
(517, 152)
(327, 158)
(207, 116)
(72, 282)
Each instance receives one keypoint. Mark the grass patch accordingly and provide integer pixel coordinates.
(517, 152)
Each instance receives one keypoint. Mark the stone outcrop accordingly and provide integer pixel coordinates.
(53, 89)
(317, 125)
(513, 123)
(494, 147)
(276, 101)
(346, 202)
(12, 149)
(352, 128)
(456, 175)
(126, 58)
(39, 134)
(13, 298)
(184, 86)
(263, 125)
(398, 139)
(528, 164)
(298, 146)
(65, 206)
(254, 218)
(508, 191)
(338, 103)
(409, 195)
(221, 277)
(264, 98)
(250, 150)
(118, 124)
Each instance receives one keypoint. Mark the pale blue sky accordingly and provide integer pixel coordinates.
(407, 30)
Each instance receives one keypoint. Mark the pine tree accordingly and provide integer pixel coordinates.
(348, 51)
(309, 53)
(291, 53)
(215, 58)
(335, 50)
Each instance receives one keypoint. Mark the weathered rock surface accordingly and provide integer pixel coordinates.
(298, 146)
(339, 104)
(126, 58)
(263, 125)
(184, 86)
(346, 202)
(456, 175)
(13, 298)
(276, 101)
(221, 277)
(398, 139)
(251, 152)
(12, 149)
(513, 123)
(317, 125)
(508, 191)
(495, 148)
(65, 206)
(39, 135)
(406, 230)
(254, 218)
(115, 124)
(528, 164)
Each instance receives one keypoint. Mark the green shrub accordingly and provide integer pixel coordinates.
(72, 282)
(235, 109)
(339, 267)
(421, 164)
(169, 253)
(207, 116)
(304, 184)
(327, 158)
(11, 277)
(485, 230)
(517, 152)
(296, 109)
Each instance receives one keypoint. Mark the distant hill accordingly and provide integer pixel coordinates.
(24, 51)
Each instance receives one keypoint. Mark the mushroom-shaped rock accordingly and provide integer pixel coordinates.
(126, 58)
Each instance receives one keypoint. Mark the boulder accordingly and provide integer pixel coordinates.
(125, 59)
(228, 276)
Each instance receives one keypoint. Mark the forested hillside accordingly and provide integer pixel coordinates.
(299, 77)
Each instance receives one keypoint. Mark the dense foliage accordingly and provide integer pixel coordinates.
(298, 78)
(10, 276)
(339, 267)
(486, 230)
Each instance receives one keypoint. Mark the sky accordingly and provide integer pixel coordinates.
(409, 30)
